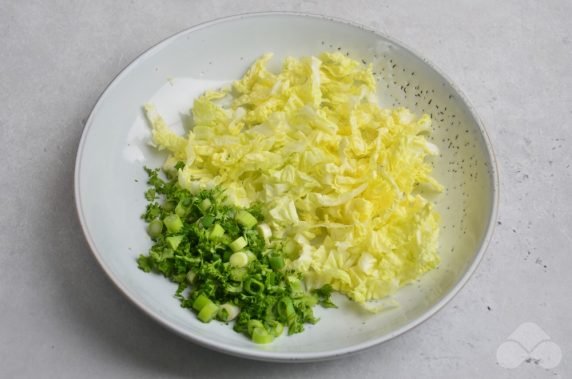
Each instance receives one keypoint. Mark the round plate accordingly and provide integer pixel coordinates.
(110, 181)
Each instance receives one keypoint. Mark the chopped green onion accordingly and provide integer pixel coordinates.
(251, 255)
(200, 302)
(253, 286)
(155, 228)
(181, 210)
(208, 312)
(174, 241)
(275, 328)
(238, 259)
(228, 312)
(238, 244)
(245, 219)
(173, 223)
(253, 324)
(276, 261)
(285, 309)
(238, 274)
(205, 205)
(234, 289)
(167, 253)
(216, 232)
(261, 336)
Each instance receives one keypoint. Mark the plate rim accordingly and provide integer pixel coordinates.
(289, 356)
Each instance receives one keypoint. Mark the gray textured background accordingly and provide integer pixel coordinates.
(60, 317)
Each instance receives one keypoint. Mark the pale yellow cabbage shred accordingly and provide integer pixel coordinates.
(337, 173)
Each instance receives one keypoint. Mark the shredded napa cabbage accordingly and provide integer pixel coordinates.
(338, 174)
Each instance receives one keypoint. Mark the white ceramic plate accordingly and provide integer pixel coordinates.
(110, 181)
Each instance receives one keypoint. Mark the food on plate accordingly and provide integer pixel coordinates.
(222, 253)
(338, 180)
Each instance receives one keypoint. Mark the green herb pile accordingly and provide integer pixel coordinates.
(222, 255)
